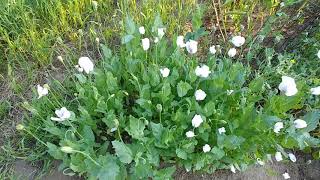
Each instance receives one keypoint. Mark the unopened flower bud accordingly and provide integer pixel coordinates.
(20, 127)
(67, 149)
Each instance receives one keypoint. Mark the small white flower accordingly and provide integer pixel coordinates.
(142, 30)
(60, 58)
(232, 52)
(292, 157)
(299, 123)
(190, 134)
(145, 43)
(232, 168)
(200, 95)
(229, 92)
(206, 148)
(238, 41)
(165, 72)
(260, 162)
(277, 127)
(288, 86)
(192, 46)
(202, 71)
(97, 40)
(156, 40)
(222, 130)
(212, 50)
(62, 114)
(86, 64)
(161, 32)
(78, 68)
(197, 120)
(42, 91)
(180, 42)
(315, 91)
(278, 156)
(286, 176)
(318, 54)
(282, 4)
(95, 5)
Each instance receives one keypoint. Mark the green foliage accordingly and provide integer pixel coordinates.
(128, 104)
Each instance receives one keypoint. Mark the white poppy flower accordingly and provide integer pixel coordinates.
(95, 5)
(238, 41)
(192, 46)
(315, 91)
(318, 54)
(202, 71)
(212, 50)
(232, 168)
(42, 91)
(288, 86)
(286, 176)
(278, 156)
(156, 40)
(282, 4)
(97, 40)
(190, 134)
(277, 127)
(62, 114)
(232, 52)
(299, 123)
(260, 162)
(180, 42)
(86, 64)
(229, 92)
(206, 148)
(292, 157)
(161, 32)
(197, 120)
(200, 95)
(145, 44)
(142, 30)
(165, 72)
(60, 58)
(78, 68)
(222, 130)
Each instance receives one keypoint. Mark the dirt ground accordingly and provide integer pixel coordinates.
(303, 169)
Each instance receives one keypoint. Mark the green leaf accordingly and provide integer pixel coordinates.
(130, 25)
(123, 152)
(88, 135)
(183, 88)
(181, 153)
(157, 130)
(109, 169)
(233, 141)
(106, 51)
(165, 173)
(136, 128)
(218, 153)
(312, 120)
(54, 151)
(127, 38)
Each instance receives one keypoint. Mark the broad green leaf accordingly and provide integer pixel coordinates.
(183, 88)
(126, 39)
(165, 173)
(312, 119)
(54, 151)
(106, 51)
(181, 153)
(157, 130)
(130, 25)
(123, 151)
(135, 128)
(88, 135)
(218, 153)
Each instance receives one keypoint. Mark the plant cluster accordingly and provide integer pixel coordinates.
(156, 104)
